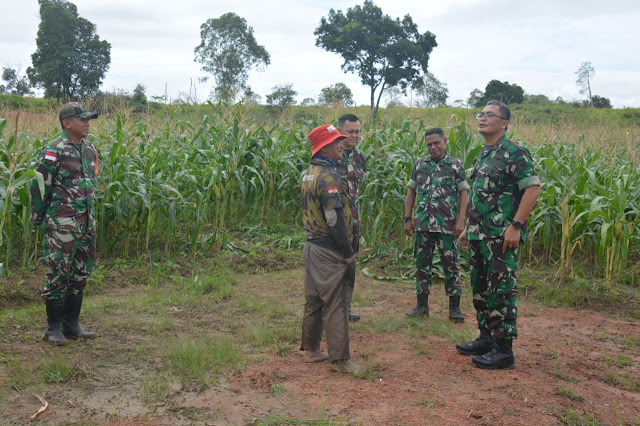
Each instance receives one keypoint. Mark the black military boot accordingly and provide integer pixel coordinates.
(455, 314)
(422, 309)
(483, 344)
(71, 327)
(353, 317)
(499, 358)
(55, 314)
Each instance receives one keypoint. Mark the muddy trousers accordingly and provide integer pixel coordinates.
(70, 259)
(493, 282)
(325, 291)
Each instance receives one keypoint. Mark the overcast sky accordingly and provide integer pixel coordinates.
(538, 45)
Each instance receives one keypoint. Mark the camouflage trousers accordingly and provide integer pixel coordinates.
(425, 244)
(355, 233)
(493, 282)
(70, 259)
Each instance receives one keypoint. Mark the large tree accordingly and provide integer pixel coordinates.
(282, 96)
(382, 51)
(585, 74)
(498, 90)
(16, 84)
(432, 92)
(336, 94)
(228, 51)
(70, 60)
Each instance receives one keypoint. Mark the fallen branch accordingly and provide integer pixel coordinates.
(44, 407)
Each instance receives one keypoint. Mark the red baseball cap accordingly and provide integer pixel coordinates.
(322, 136)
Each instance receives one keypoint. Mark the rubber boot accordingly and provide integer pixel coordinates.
(422, 309)
(55, 314)
(71, 327)
(500, 357)
(455, 314)
(483, 344)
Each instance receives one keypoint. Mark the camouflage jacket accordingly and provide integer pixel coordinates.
(437, 186)
(322, 190)
(352, 169)
(69, 174)
(499, 178)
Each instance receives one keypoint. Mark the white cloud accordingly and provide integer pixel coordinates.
(538, 45)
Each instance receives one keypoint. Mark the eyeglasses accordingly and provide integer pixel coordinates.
(488, 115)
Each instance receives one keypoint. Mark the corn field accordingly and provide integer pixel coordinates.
(177, 183)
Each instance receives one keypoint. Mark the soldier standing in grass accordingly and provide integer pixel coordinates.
(69, 167)
(504, 191)
(439, 183)
(327, 254)
(352, 168)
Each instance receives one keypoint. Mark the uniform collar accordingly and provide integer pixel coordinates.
(68, 140)
(323, 161)
(445, 159)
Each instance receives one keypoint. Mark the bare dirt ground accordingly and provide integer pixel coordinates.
(573, 367)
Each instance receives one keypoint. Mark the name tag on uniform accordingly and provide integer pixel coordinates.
(308, 178)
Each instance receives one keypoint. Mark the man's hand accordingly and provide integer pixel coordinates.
(458, 228)
(511, 238)
(349, 260)
(462, 239)
(408, 228)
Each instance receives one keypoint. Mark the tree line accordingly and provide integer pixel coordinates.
(388, 55)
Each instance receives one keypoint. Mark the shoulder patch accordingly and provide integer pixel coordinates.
(332, 190)
(51, 155)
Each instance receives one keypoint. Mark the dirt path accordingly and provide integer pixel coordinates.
(576, 367)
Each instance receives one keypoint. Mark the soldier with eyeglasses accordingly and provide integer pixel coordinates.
(504, 191)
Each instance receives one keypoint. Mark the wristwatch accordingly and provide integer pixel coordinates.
(406, 218)
(517, 224)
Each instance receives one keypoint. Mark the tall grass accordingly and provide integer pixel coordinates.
(175, 181)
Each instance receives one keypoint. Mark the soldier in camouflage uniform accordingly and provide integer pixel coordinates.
(439, 183)
(352, 168)
(328, 255)
(504, 191)
(65, 210)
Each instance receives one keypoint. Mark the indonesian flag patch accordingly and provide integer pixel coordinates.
(51, 155)
(332, 190)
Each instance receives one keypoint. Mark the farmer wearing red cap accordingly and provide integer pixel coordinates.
(328, 255)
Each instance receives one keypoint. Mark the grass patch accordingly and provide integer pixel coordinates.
(155, 387)
(55, 370)
(370, 371)
(440, 327)
(564, 377)
(574, 419)
(199, 360)
(263, 307)
(279, 389)
(217, 286)
(277, 335)
(568, 393)
(622, 381)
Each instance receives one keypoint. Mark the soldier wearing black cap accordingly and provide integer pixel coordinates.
(64, 208)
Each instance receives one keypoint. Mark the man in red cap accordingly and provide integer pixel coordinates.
(328, 255)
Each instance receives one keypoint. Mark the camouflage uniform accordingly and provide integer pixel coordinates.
(352, 170)
(66, 212)
(325, 268)
(499, 179)
(437, 185)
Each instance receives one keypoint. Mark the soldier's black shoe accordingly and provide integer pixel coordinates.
(495, 360)
(354, 317)
(455, 314)
(55, 313)
(422, 308)
(419, 311)
(483, 344)
(70, 326)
